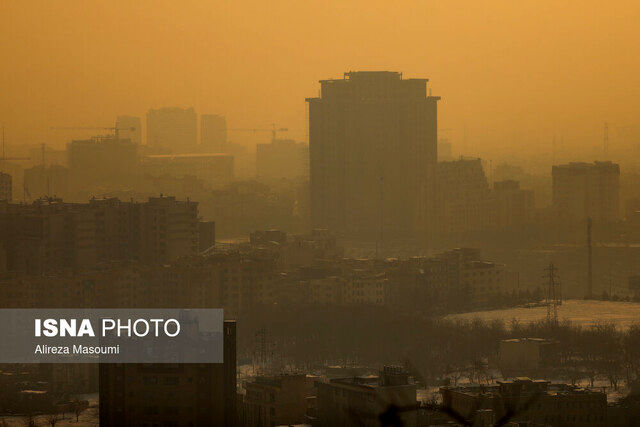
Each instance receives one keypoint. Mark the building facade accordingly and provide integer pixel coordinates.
(373, 153)
(136, 394)
(362, 400)
(587, 190)
(172, 130)
(277, 400)
(532, 401)
(462, 196)
(213, 133)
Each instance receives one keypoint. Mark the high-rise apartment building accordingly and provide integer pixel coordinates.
(172, 130)
(193, 394)
(373, 153)
(587, 190)
(213, 133)
(5, 186)
(129, 127)
(51, 235)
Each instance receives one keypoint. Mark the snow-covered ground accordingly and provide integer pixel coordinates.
(579, 312)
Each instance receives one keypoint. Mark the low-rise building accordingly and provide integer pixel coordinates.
(526, 356)
(278, 400)
(363, 400)
(533, 401)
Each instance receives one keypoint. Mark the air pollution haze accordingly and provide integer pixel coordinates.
(511, 74)
(351, 213)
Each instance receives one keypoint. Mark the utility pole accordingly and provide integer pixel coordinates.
(589, 294)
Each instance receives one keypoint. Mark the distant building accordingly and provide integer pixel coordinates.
(298, 250)
(51, 235)
(587, 190)
(535, 402)
(282, 158)
(463, 276)
(169, 229)
(526, 356)
(512, 206)
(194, 394)
(102, 161)
(373, 153)
(213, 134)
(462, 196)
(6, 187)
(278, 400)
(51, 181)
(213, 169)
(172, 130)
(361, 400)
(129, 127)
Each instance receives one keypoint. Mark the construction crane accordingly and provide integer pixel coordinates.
(116, 130)
(273, 131)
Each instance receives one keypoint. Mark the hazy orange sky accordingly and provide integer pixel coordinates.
(511, 73)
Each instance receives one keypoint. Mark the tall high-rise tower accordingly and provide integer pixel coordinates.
(373, 153)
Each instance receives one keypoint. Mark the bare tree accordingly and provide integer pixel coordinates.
(52, 419)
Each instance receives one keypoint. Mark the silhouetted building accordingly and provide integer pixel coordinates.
(462, 196)
(213, 134)
(512, 206)
(362, 400)
(50, 235)
(537, 401)
(527, 356)
(373, 153)
(102, 161)
(47, 235)
(6, 187)
(278, 400)
(213, 169)
(194, 394)
(130, 127)
(587, 190)
(282, 158)
(172, 130)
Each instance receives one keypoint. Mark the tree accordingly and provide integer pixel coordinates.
(78, 407)
(52, 419)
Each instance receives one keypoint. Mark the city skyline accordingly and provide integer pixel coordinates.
(482, 53)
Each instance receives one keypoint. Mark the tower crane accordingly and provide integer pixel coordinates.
(116, 130)
(273, 131)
